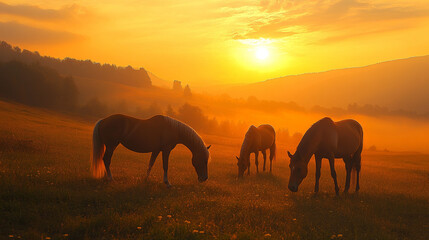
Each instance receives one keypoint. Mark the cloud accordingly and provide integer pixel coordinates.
(20, 33)
(71, 12)
(332, 17)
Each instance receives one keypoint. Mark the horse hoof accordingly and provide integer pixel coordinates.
(168, 184)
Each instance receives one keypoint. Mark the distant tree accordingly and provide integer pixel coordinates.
(37, 86)
(372, 148)
(193, 116)
(82, 68)
(150, 111)
(94, 108)
(187, 91)
(170, 112)
(177, 85)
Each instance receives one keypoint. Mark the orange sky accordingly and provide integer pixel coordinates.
(215, 41)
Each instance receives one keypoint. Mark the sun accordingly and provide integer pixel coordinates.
(261, 53)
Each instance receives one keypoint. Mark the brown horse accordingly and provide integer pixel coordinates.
(255, 140)
(328, 139)
(156, 134)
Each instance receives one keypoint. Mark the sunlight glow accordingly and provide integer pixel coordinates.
(261, 53)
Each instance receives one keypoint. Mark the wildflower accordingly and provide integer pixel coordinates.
(65, 234)
(47, 238)
(201, 232)
(294, 219)
(340, 235)
(159, 218)
(139, 228)
(11, 236)
(186, 221)
(267, 235)
(195, 231)
(169, 216)
(333, 236)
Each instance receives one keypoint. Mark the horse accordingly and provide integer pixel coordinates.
(156, 134)
(257, 139)
(328, 139)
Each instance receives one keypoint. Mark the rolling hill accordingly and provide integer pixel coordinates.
(397, 84)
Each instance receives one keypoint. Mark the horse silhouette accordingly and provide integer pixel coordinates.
(257, 139)
(328, 139)
(157, 134)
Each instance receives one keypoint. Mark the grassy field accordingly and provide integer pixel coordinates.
(46, 191)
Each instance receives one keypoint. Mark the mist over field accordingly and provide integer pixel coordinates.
(231, 113)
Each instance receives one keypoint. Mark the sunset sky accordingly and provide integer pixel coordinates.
(218, 42)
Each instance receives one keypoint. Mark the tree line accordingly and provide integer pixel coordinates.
(79, 68)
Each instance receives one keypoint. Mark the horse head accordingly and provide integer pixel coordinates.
(200, 162)
(242, 166)
(298, 171)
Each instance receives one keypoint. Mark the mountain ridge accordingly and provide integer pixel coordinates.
(396, 84)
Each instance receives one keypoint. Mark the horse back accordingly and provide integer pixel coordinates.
(350, 137)
(139, 135)
(267, 135)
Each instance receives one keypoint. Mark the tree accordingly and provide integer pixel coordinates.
(177, 85)
(187, 91)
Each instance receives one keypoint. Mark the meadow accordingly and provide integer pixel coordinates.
(47, 192)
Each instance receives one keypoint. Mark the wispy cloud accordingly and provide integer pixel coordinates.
(20, 33)
(70, 12)
(331, 17)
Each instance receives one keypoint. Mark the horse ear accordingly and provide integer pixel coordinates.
(290, 155)
(208, 147)
(237, 158)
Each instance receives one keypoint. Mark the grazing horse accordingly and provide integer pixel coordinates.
(155, 135)
(257, 139)
(328, 139)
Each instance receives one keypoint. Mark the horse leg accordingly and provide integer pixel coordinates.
(357, 166)
(333, 173)
(151, 162)
(318, 166)
(272, 155)
(165, 156)
(264, 154)
(257, 162)
(348, 163)
(248, 167)
(107, 159)
(357, 178)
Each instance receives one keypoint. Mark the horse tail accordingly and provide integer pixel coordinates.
(98, 148)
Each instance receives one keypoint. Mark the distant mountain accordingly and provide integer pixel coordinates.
(397, 84)
(159, 82)
(79, 68)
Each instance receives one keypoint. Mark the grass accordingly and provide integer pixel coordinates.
(46, 192)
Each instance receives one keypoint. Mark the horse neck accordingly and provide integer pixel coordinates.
(248, 142)
(308, 145)
(191, 140)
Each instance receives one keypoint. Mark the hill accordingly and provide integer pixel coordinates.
(78, 68)
(398, 84)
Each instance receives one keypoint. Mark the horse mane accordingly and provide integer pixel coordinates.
(186, 134)
(248, 140)
(308, 138)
